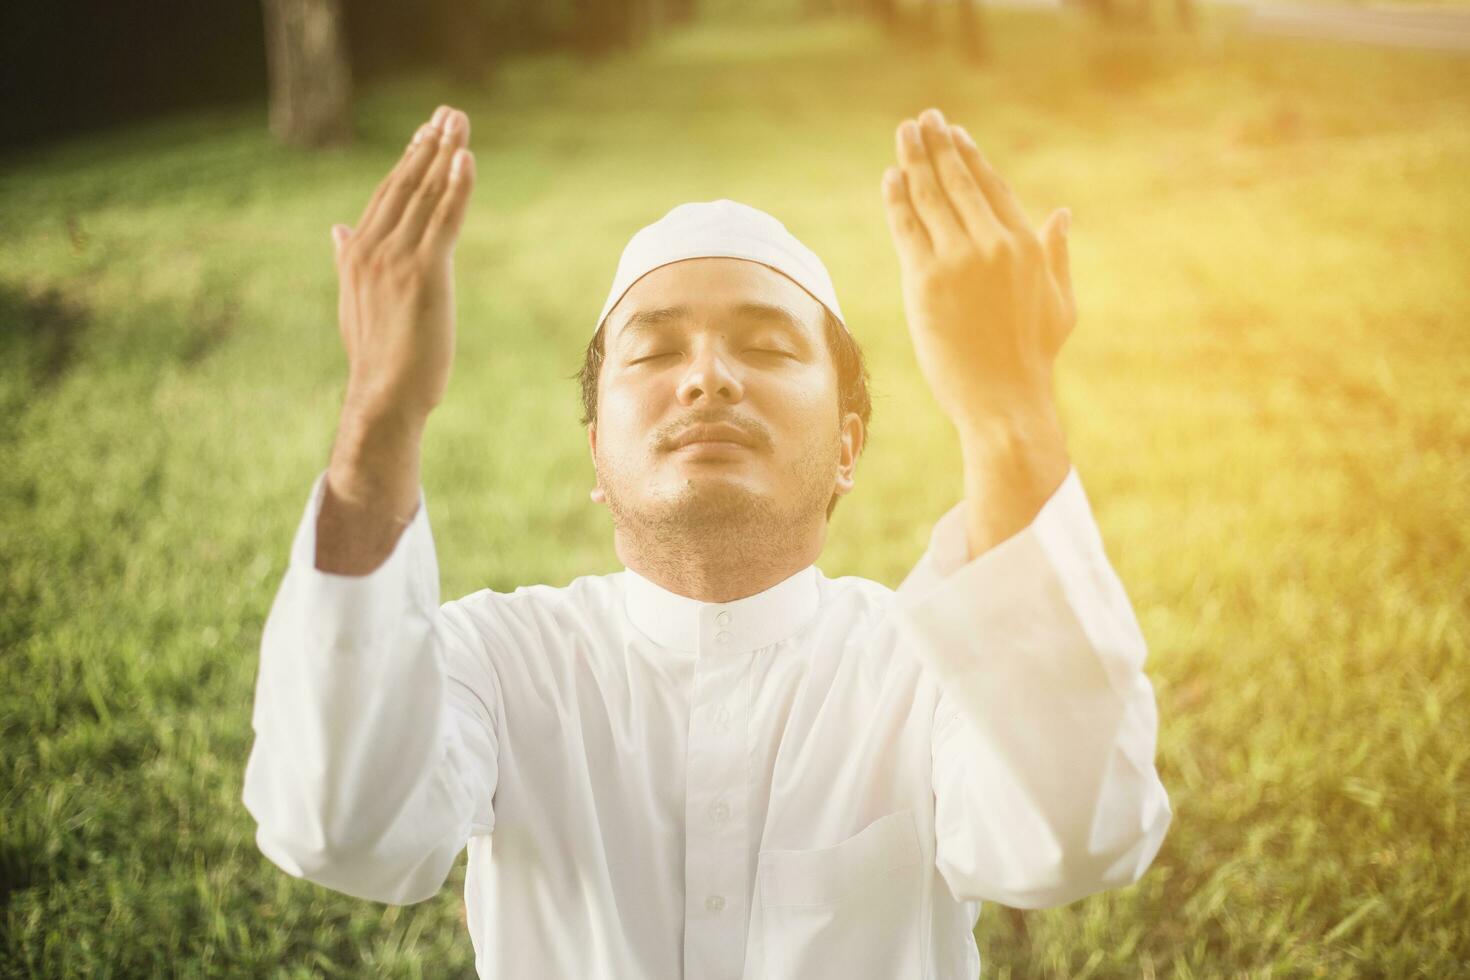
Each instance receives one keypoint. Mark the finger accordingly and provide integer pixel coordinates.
(903, 223)
(1003, 200)
(340, 234)
(444, 224)
(964, 194)
(928, 198)
(346, 296)
(435, 183)
(404, 183)
(421, 134)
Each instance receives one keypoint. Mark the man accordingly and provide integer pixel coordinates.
(717, 762)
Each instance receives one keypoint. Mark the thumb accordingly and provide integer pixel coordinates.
(340, 234)
(1054, 237)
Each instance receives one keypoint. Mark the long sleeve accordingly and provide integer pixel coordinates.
(1044, 736)
(375, 723)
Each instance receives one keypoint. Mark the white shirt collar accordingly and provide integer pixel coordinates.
(759, 620)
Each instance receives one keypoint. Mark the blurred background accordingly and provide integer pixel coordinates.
(1265, 397)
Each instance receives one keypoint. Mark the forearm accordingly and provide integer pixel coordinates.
(372, 491)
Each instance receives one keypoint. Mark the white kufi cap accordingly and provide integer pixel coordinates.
(721, 229)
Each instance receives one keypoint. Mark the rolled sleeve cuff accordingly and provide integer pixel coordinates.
(1035, 594)
(949, 548)
(354, 610)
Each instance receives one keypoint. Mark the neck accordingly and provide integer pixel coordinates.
(730, 564)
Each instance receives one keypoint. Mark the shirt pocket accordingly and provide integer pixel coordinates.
(847, 911)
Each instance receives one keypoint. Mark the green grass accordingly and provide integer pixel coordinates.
(1266, 397)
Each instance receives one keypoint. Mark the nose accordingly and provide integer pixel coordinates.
(710, 374)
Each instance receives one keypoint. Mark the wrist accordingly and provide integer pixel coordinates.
(377, 414)
(375, 460)
(1019, 439)
(1011, 425)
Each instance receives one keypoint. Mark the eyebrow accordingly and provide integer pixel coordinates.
(766, 314)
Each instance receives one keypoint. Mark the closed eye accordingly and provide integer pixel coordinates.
(753, 350)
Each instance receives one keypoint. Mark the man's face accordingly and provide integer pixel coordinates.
(713, 341)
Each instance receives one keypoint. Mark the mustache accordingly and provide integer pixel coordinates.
(753, 431)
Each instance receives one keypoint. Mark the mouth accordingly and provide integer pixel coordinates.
(711, 447)
(719, 436)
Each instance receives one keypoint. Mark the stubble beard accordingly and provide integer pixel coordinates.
(714, 512)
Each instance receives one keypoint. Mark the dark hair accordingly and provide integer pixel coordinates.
(847, 357)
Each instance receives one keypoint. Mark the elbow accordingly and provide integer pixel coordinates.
(380, 853)
(1089, 875)
(1118, 862)
(356, 871)
(1047, 871)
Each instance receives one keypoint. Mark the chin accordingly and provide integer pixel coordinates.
(712, 499)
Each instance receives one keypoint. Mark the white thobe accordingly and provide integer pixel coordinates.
(822, 780)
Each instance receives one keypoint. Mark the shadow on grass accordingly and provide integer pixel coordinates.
(39, 332)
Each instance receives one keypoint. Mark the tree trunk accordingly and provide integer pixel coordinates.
(310, 83)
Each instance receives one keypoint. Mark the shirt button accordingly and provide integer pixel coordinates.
(719, 812)
(723, 619)
(722, 718)
(715, 902)
(722, 637)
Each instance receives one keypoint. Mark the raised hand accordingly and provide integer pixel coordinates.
(395, 272)
(988, 300)
(395, 310)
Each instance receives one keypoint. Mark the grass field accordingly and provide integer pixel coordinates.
(1266, 398)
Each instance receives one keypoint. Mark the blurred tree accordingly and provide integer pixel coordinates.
(534, 25)
(593, 25)
(1183, 13)
(310, 83)
(680, 11)
(926, 27)
(604, 26)
(1102, 10)
(970, 28)
(70, 67)
(643, 17)
(464, 37)
(931, 23)
(1123, 13)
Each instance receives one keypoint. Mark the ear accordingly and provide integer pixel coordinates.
(597, 495)
(852, 437)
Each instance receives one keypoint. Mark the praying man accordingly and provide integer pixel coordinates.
(717, 762)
